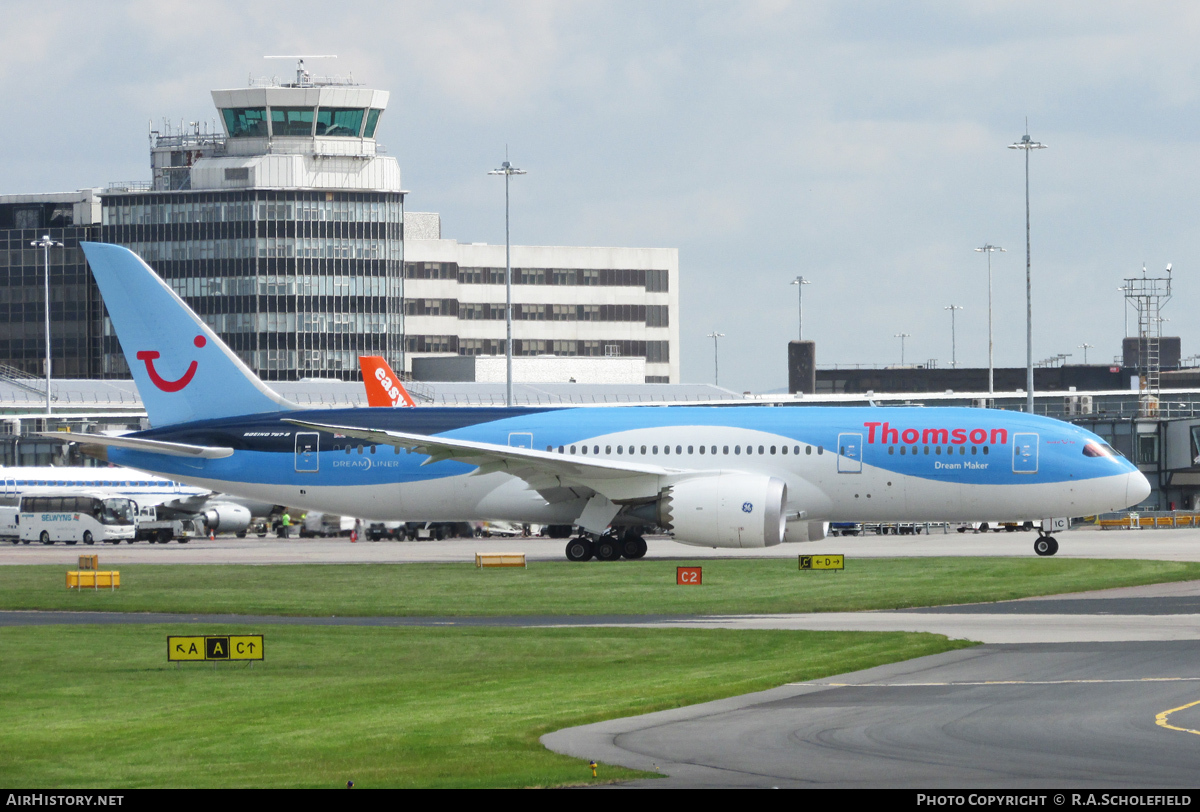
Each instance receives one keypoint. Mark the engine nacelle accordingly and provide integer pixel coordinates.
(227, 518)
(726, 510)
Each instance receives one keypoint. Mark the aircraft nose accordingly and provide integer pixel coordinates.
(1137, 488)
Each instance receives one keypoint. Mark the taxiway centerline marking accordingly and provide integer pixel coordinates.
(1001, 682)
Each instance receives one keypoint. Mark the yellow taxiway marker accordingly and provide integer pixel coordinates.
(1161, 719)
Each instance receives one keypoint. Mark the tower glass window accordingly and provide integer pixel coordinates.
(244, 122)
(343, 121)
(291, 121)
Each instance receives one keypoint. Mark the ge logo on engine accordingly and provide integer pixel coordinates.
(747, 507)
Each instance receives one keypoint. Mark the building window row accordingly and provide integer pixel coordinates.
(118, 212)
(655, 352)
(653, 281)
(32, 259)
(264, 247)
(277, 285)
(226, 323)
(650, 315)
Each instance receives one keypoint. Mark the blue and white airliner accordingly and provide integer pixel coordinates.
(721, 476)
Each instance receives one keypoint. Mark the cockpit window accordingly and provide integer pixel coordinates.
(1094, 449)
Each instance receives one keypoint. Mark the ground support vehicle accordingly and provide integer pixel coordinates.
(72, 518)
(10, 530)
(995, 527)
(324, 525)
(845, 528)
(153, 529)
(378, 531)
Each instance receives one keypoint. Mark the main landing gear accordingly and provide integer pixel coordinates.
(608, 547)
(1045, 545)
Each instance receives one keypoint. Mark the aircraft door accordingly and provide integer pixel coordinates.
(1025, 453)
(520, 439)
(850, 453)
(308, 460)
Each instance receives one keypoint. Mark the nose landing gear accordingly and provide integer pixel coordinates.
(1045, 545)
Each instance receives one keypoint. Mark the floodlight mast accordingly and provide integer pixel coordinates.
(507, 170)
(45, 243)
(714, 335)
(988, 248)
(902, 336)
(953, 340)
(1028, 144)
(800, 282)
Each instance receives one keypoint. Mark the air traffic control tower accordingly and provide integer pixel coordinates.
(285, 232)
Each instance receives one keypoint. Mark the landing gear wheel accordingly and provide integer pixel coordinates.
(44, 538)
(88, 538)
(633, 546)
(607, 549)
(579, 550)
(1046, 545)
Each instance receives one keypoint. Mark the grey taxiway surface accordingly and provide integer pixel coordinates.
(1088, 690)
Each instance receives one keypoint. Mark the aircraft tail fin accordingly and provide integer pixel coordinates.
(183, 370)
(383, 386)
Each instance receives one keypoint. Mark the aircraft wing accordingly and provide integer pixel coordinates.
(140, 444)
(544, 471)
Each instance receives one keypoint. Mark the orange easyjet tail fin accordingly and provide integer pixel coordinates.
(383, 386)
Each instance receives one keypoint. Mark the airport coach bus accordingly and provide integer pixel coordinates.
(76, 517)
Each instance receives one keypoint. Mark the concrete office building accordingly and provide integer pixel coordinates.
(567, 301)
(285, 231)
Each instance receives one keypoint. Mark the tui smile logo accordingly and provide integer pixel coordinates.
(148, 356)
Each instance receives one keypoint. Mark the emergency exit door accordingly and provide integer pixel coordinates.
(850, 453)
(308, 461)
(1025, 453)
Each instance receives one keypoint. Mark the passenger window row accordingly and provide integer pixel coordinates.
(350, 448)
(679, 450)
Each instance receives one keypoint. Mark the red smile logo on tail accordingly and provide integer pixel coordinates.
(148, 356)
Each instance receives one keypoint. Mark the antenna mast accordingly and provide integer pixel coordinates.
(303, 77)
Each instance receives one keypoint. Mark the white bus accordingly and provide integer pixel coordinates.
(75, 517)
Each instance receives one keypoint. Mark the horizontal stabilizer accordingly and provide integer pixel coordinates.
(206, 452)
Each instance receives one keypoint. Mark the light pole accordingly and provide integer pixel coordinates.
(1027, 144)
(45, 244)
(507, 170)
(1085, 347)
(902, 336)
(989, 249)
(800, 282)
(714, 335)
(953, 340)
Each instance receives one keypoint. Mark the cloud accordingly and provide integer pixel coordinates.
(860, 144)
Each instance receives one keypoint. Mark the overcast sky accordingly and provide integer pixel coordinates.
(862, 145)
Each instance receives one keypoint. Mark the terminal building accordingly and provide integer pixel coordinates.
(285, 231)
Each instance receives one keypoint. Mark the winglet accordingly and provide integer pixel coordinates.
(183, 370)
(383, 386)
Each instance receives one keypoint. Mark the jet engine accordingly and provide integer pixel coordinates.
(227, 518)
(725, 510)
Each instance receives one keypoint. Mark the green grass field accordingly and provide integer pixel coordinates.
(639, 587)
(98, 706)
